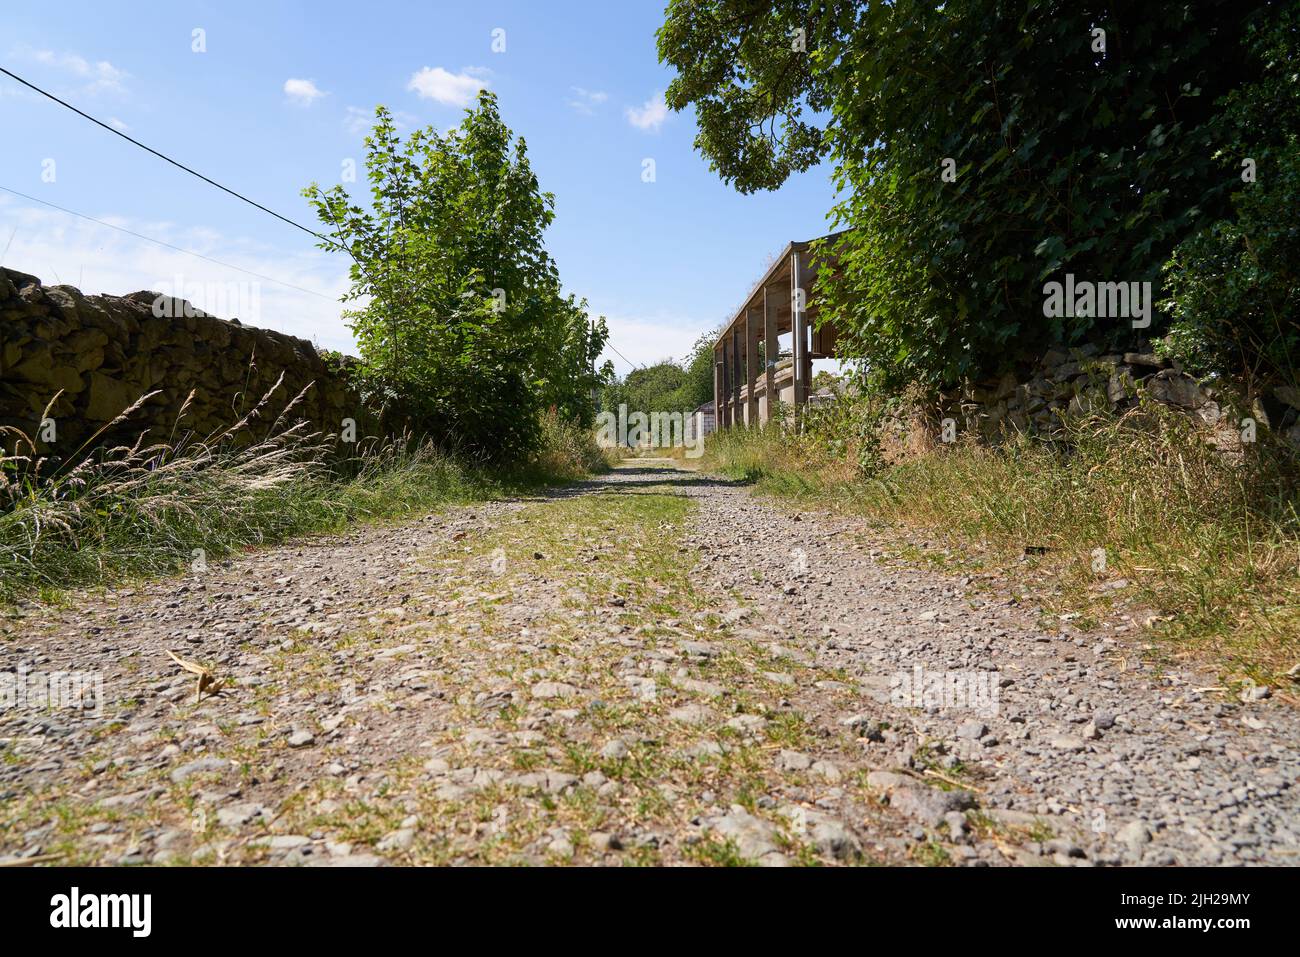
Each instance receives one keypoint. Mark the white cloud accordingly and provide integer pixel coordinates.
(586, 101)
(649, 116)
(452, 89)
(97, 77)
(118, 125)
(302, 92)
(359, 122)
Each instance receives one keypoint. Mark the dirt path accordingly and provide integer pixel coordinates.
(651, 667)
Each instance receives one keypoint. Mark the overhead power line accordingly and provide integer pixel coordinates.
(162, 156)
(634, 365)
(179, 165)
(159, 242)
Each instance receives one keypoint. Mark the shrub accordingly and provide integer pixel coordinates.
(1234, 287)
(462, 328)
(568, 450)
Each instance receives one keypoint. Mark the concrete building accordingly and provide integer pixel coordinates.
(764, 355)
(704, 415)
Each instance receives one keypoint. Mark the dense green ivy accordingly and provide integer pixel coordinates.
(1076, 137)
(1234, 286)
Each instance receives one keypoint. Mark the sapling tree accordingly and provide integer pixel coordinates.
(457, 307)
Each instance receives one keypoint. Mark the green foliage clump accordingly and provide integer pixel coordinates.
(459, 317)
(662, 387)
(981, 148)
(1234, 286)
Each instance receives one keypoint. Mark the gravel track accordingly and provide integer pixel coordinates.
(654, 666)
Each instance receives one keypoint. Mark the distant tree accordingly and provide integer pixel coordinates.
(667, 386)
(699, 369)
(661, 387)
(825, 380)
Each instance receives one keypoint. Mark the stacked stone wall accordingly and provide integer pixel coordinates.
(101, 354)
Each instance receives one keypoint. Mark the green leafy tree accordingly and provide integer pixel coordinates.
(699, 369)
(662, 387)
(458, 314)
(1075, 137)
(571, 380)
(1234, 286)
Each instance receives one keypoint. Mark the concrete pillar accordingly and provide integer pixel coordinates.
(751, 364)
(718, 390)
(737, 415)
(771, 350)
(726, 382)
(799, 324)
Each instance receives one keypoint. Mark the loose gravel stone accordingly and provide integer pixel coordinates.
(615, 750)
(929, 805)
(756, 840)
(390, 670)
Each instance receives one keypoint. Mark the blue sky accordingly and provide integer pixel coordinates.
(279, 99)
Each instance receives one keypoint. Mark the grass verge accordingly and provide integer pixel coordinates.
(1136, 514)
(111, 514)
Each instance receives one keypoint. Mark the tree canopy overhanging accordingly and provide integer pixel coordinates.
(981, 148)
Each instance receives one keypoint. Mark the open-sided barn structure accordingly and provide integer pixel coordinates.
(764, 355)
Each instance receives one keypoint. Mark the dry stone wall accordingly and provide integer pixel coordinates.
(1070, 383)
(104, 352)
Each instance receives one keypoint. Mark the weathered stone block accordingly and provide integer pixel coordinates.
(109, 397)
(1174, 388)
(1120, 385)
(19, 279)
(1148, 359)
(1287, 395)
(10, 353)
(66, 378)
(36, 364)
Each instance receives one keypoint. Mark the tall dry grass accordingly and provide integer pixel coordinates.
(568, 451)
(1208, 541)
(154, 507)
